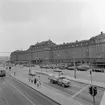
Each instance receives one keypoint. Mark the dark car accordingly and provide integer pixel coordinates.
(83, 67)
(98, 70)
(2, 73)
(70, 68)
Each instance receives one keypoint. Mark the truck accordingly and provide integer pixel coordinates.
(63, 81)
(60, 80)
(53, 78)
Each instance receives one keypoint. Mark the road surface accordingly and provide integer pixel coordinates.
(13, 92)
(77, 91)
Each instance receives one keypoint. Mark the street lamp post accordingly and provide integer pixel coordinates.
(30, 61)
(91, 75)
(29, 67)
(74, 66)
(90, 65)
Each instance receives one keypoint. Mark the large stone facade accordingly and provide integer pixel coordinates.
(92, 50)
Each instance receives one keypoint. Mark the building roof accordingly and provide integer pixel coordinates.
(99, 36)
(43, 44)
(50, 44)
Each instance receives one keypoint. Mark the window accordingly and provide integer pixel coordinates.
(76, 44)
(92, 42)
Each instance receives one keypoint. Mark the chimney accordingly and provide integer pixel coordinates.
(101, 32)
(76, 40)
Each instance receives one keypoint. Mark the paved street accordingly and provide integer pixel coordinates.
(77, 91)
(13, 92)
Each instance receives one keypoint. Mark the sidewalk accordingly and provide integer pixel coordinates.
(78, 80)
(50, 92)
(103, 100)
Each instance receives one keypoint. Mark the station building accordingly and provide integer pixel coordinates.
(84, 51)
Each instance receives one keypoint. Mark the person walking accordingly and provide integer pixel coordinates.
(35, 81)
(39, 83)
(31, 79)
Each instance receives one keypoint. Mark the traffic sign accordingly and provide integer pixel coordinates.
(90, 90)
(93, 90)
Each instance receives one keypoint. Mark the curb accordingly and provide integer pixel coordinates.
(85, 82)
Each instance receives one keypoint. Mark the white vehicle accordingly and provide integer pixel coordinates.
(32, 73)
(53, 78)
(50, 75)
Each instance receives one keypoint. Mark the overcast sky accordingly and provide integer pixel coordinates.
(25, 22)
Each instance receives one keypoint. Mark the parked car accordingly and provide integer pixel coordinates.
(62, 67)
(98, 70)
(83, 67)
(70, 68)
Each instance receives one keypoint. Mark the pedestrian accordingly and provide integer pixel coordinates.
(35, 81)
(39, 83)
(31, 79)
(39, 78)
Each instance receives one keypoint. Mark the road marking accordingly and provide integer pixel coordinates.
(33, 90)
(23, 94)
(76, 101)
(88, 103)
(80, 91)
(60, 91)
(5, 101)
(1, 89)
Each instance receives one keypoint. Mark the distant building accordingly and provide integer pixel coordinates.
(85, 51)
